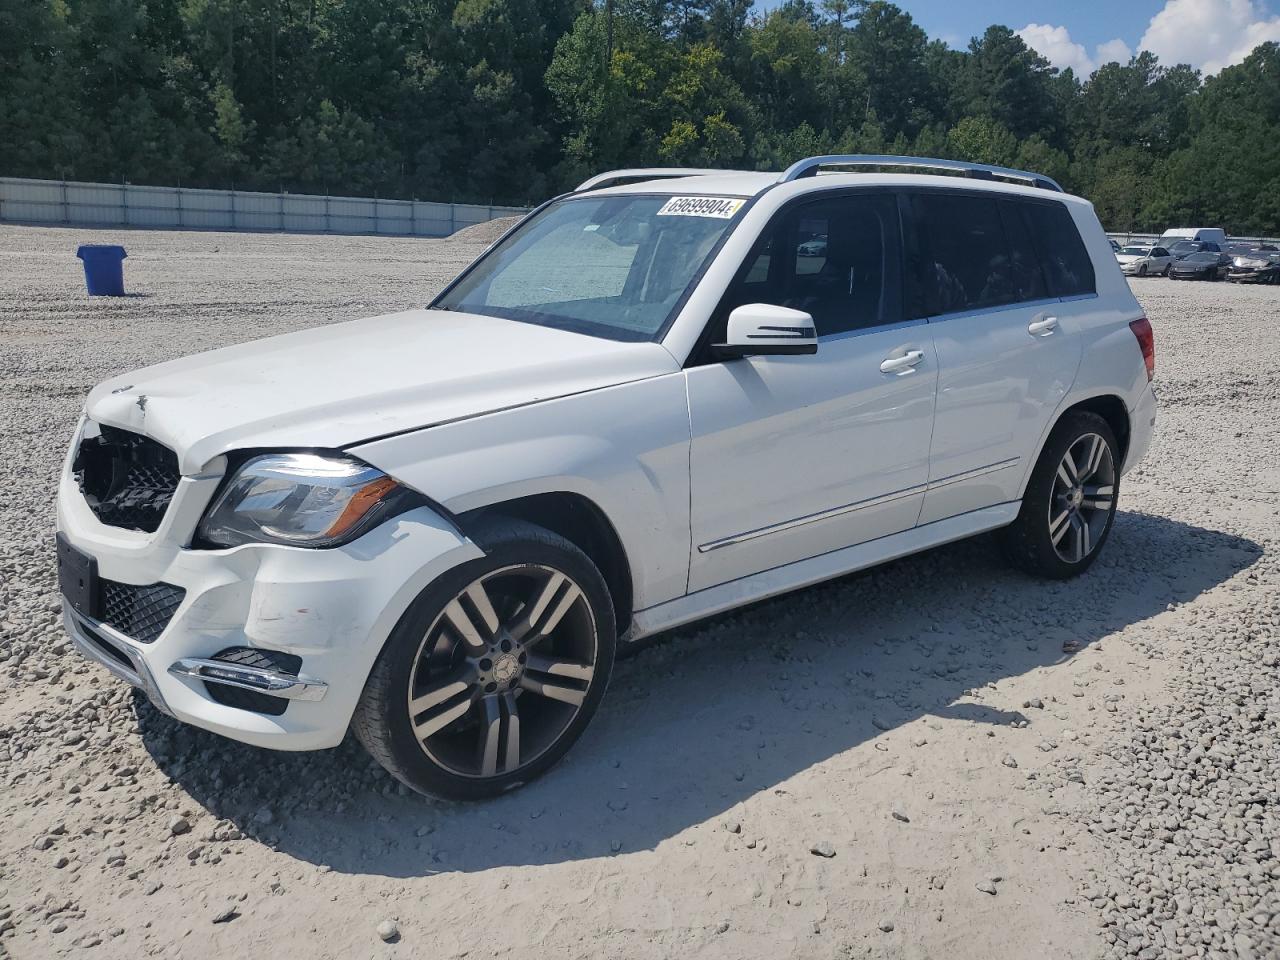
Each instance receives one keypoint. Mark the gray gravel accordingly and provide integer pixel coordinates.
(1100, 758)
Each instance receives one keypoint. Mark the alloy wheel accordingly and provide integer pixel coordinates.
(503, 671)
(1082, 498)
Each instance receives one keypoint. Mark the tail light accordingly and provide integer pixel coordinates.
(1147, 341)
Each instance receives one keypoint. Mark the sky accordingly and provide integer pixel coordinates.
(1208, 34)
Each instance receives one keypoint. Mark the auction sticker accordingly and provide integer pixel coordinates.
(720, 207)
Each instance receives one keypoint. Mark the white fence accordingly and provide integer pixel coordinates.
(115, 204)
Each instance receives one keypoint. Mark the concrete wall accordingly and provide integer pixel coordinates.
(115, 204)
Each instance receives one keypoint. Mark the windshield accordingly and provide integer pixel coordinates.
(1202, 257)
(1184, 245)
(612, 267)
(1136, 251)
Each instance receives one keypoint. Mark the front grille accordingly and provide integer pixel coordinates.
(127, 479)
(141, 613)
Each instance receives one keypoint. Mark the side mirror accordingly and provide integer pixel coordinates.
(763, 330)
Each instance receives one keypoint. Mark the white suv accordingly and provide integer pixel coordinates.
(654, 399)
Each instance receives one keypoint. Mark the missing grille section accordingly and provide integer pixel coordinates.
(250, 699)
(127, 479)
(139, 612)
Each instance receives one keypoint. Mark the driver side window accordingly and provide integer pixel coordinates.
(836, 258)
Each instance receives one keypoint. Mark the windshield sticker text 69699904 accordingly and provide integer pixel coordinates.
(721, 208)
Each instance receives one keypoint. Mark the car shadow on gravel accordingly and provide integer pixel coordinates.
(719, 711)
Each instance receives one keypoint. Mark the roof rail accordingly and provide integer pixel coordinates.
(614, 178)
(980, 171)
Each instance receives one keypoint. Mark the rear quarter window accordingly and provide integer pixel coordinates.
(1067, 268)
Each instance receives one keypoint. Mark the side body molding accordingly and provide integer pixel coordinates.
(624, 448)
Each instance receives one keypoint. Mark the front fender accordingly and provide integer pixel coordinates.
(624, 448)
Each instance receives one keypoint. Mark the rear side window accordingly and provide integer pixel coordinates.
(1063, 256)
(968, 263)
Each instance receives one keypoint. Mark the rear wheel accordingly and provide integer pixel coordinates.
(1070, 501)
(495, 670)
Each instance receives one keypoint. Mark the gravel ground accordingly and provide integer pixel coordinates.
(1010, 769)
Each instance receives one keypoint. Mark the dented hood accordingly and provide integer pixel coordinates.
(336, 385)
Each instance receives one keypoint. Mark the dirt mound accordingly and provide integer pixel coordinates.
(484, 232)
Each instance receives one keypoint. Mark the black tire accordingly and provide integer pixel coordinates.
(1029, 541)
(1142, 270)
(383, 721)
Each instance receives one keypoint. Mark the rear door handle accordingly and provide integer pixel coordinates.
(902, 364)
(1042, 327)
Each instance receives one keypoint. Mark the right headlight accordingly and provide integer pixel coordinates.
(301, 500)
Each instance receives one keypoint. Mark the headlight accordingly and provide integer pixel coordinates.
(302, 500)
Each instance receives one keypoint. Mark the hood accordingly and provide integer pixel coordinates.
(336, 385)
(1130, 257)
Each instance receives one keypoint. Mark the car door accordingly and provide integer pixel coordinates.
(1160, 260)
(1006, 345)
(797, 456)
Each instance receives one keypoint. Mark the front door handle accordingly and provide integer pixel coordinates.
(902, 364)
(1042, 327)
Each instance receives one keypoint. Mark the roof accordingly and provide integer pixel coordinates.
(754, 184)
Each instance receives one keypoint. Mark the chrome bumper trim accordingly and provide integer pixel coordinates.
(270, 682)
(136, 674)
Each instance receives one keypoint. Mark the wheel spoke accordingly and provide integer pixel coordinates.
(1098, 497)
(560, 668)
(439, 717)
(1081, 539)
(463, 626)
(436, 696)
(554, 691)
(1067, 470)
(477, 595)
(513, 731)
(540, 618)
(490, 734)
(1059, 526)
(1094, 458)
(499, 748)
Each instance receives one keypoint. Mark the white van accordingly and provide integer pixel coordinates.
(1203, 234)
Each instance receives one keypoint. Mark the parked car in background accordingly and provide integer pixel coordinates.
(1140, 261)
(817, 247)
(1199, 234)
(1261, 265)
(1185, 248)
(1205, 265)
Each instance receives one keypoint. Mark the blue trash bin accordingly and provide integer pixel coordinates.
(103, 269)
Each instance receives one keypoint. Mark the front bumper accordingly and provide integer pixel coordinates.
(1237, 275)
(333, 608)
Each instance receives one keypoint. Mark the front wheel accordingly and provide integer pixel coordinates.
(1070, 500)
(494, 670)
(1142, 270)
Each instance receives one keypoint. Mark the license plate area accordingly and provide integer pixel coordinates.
(77, 578)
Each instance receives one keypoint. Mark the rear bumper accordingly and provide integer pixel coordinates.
(332, 608)
(1142, 426)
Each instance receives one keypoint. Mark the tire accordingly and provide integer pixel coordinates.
(1142, 270)
(1047, 537)
(530, 669)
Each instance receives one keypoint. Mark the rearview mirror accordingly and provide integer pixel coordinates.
(762, 329)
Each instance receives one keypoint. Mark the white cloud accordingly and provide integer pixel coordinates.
(1209, 34)
(1113, 51)
(1056, 46)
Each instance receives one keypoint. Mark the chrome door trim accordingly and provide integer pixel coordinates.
(971, 474)
(811, 518)
(859, 505)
